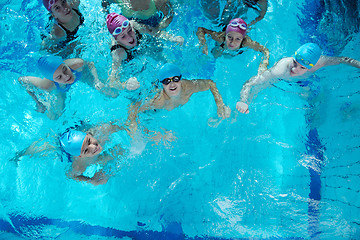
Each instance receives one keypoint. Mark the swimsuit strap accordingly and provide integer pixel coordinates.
(114, 47)
(130, 52)
(239, 51)
(70, 35)
(153, 21)
(252, 4)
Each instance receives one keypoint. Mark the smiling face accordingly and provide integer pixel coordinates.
(296, 69)
(127, 38)
(62, 11)
(63, 75)
(233, 40)
(90, 147)
(173, 88)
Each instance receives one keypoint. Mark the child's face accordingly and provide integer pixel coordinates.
(297, 69)
(63, 75)
(127, 38)
(62, 11)
(173, 88)
(90, 147)
(233, 40)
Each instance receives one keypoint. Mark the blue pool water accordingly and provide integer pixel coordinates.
(287, 170)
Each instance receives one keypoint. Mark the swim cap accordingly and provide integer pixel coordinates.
(308, 55)
(72, 142)
(114, 20)
(168, 70)
(48, 65)
(49, 3)
(237, 25)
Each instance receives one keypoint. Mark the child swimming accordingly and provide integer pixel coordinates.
(84, 150)
(306, 60)
(125, 39)
(67, 18)
(232, 40)
(59, 76)
(177, 91)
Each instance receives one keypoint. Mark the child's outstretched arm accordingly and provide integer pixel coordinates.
(34, 148)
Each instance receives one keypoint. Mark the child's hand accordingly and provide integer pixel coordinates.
(132, 84)
(166, 138)
(178, 40)
(99, 85)
(242, 107)
(224, 112)
(205, 49)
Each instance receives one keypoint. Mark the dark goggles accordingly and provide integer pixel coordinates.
(167, 81)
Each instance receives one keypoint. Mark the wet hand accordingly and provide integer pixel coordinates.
(205, 49)
(178, 40)
(224, 112)
(99, 85)
(132, 84)
(242, 107)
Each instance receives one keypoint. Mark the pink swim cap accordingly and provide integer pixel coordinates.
(237, 25)
(48, 4)
(114, 20)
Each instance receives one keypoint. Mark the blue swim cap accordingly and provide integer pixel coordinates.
(308, 55)
(48, 65)
(72, 142)
(168, 70)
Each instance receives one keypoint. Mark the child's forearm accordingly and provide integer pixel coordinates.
(94, 73)
(217, 96)
(350, 61)
(201, 35)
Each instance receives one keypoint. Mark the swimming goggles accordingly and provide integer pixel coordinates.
(119, 30)
(300, 59)
(239, 25)
(167, 81)
(51, 2)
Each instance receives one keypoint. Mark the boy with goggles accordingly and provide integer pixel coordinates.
(167, 81)
(306, 60)
(231, 40)
(177, 91)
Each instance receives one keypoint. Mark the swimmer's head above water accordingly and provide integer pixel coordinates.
(235, 33)
(308, 55)
(49, 3)
(80, 144)
(121, 29)
(305, 58)
(60, 10)
(54, 69)
(170, 75)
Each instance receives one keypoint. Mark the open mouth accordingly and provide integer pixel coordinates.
(69, 80)
(67, 12)
(132, 42)
(96, 149)
(173, 88)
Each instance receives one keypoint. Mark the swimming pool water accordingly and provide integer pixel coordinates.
(246, 177)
